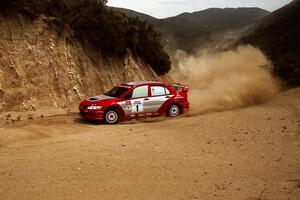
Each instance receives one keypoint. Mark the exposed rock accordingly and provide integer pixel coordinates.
(41, 68)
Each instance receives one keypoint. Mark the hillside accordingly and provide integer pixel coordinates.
(108, 30)
(278, 35)
(141, 16)
(191, 31)
(46, 71)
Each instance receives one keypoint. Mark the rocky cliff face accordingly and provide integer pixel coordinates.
(42, 68)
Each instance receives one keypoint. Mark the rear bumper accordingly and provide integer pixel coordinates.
(95, 115)
(185, 107)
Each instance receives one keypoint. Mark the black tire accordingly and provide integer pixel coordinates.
(112, 116)
(173, 111)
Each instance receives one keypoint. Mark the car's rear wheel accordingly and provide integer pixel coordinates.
(112, 116)
(173, 111)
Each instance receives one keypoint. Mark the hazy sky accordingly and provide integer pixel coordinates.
(166, 8)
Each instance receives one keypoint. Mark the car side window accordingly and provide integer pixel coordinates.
(141, 91)
(159, 91)
(167, 91)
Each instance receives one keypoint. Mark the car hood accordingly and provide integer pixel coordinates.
(98, 99)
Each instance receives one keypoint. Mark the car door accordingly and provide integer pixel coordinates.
(135, 101)
(158, 96)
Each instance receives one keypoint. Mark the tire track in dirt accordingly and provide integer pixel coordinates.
(239, 154)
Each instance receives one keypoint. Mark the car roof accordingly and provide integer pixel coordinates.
(136, 83)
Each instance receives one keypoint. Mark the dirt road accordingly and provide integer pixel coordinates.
(250, 153)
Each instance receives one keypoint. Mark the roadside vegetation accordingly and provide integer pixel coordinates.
(109, 30)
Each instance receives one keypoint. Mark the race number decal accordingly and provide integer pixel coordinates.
(137, 106)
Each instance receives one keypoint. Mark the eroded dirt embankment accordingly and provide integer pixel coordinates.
(44, 71)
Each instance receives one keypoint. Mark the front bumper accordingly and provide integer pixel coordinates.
(92, 114)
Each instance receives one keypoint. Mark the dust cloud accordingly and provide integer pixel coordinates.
(225, 80)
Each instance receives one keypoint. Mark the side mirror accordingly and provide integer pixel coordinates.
(128, 96)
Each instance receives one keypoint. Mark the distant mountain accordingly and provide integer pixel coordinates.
(191, 31)
(132, 13)
(278, 35)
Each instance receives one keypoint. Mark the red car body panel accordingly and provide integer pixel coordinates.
(150, 105)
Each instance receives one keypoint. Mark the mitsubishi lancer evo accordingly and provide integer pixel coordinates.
(136, 99)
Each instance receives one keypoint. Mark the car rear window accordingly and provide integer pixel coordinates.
(159, 91)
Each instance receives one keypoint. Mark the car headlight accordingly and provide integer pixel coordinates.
(94, 107)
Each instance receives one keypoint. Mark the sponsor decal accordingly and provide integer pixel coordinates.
(128, 105)
(137, 106)
(178, 97)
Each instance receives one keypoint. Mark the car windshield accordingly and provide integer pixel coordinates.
(117, 91)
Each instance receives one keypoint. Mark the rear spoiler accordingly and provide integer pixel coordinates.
(180, 88)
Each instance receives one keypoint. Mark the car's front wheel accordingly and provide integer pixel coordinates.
(173, 111)
(112, 116)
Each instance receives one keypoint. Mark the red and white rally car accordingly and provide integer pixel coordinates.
(136, 99)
